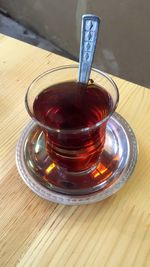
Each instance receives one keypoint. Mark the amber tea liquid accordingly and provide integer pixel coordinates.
(69, 109)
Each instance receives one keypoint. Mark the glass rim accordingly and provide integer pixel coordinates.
(78, 130)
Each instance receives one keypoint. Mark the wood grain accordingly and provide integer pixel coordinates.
(35, 232)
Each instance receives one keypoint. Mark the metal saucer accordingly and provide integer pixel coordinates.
(33, 161)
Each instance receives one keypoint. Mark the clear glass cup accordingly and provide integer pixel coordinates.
(75, 152)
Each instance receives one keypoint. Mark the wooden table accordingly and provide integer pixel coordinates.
(35, 232)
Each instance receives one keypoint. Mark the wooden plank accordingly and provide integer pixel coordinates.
(35, 232)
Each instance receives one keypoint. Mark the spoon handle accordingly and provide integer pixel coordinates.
(89, 34)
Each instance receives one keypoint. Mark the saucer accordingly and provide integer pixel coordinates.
(35, 166)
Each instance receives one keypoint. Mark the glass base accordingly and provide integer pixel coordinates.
(111, 172)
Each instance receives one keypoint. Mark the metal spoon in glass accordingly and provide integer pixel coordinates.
(89, 34)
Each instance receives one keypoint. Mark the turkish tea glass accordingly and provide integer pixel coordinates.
(75, 153)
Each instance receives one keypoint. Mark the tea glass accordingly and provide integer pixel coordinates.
(74, 161)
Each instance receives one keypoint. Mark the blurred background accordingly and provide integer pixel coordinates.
(123, 48)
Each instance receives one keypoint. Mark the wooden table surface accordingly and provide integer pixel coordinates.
(34, 232)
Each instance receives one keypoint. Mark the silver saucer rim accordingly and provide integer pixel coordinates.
(65, 199)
